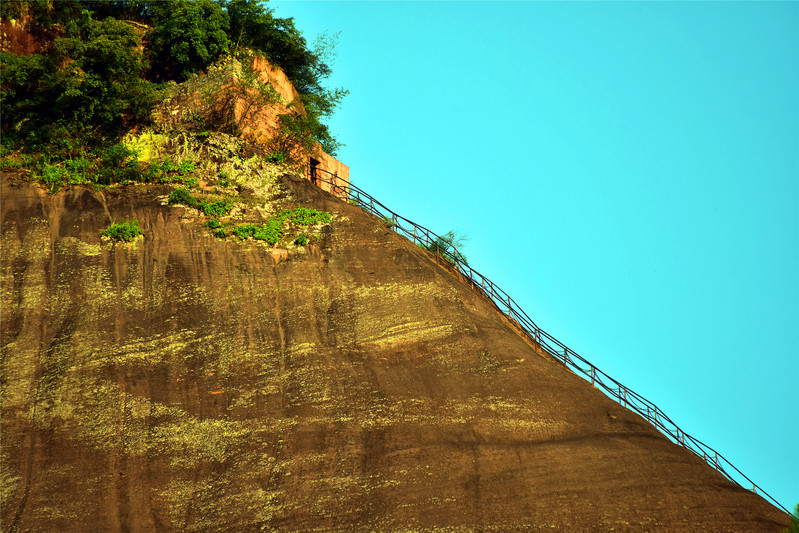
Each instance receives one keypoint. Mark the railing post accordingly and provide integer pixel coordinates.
(593, 373)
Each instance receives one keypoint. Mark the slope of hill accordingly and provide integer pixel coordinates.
(184, 382)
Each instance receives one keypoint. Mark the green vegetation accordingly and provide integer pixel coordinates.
(449, 243)
(80, 92)
(118, 164)
(270, 232)
(168, 171)
(388, 222)
(273, 229)
(124, 231)
(100, 74)
(216, 208)
(304, 216)
(186, 38)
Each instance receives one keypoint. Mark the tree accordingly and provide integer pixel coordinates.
(253, 26)
(88, 80)
(187, 37)
(449, 244)
(92, 76)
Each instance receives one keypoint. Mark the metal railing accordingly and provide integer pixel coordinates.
(547, 343)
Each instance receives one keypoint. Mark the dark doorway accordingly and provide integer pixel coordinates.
(312, 166)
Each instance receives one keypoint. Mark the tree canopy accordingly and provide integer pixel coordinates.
(99, 72)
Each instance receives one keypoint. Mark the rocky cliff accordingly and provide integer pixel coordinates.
(188, 383)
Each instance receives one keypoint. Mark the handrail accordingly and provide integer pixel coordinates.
(571, 360)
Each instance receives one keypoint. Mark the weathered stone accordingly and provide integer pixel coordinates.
(186, 383)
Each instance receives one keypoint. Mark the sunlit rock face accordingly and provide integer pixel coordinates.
(188, 383)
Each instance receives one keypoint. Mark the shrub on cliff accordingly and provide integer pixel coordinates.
(84, 89)
(88, 85)
(447, 245)
(124, 231)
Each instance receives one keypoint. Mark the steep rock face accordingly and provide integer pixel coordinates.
(184, 383)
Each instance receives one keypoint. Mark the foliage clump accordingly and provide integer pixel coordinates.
(216, 208)
(105, 65)
(123, 231)
(81, 91)
(447, 246)
(305, 216)
(273, 230)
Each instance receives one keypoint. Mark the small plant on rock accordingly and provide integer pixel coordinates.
(123, 231)
(182, 196)
(305, 216)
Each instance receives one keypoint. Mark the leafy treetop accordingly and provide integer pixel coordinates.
(100, 73)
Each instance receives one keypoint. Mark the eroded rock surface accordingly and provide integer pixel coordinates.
(187, 383)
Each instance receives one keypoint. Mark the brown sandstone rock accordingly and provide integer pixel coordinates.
(185, 383)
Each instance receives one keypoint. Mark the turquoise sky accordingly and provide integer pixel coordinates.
(628, 172)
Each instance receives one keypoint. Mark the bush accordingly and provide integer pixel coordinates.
(117, 155)
(53, 176)
(253, 26)
(270, 232)
(84, 88)
(245, 230)
(218, 209)
(123, 231)
(213, 224)
(308, 216)
(447, 245)
(186, 167)
(118, 163)
(276, 157)
(220, 234)
(182, 196)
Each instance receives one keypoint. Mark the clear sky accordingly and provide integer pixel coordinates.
(628, 172)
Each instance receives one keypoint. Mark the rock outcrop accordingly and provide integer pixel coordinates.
(188, 383)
